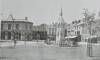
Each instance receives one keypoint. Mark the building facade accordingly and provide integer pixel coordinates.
(39, 32)
(18, 29)
(75, 29)
(51, 31)
(85, 28)
(58, 30)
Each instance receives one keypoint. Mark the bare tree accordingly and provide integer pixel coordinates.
(89, 18)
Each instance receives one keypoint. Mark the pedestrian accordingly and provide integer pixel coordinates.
(15, 43)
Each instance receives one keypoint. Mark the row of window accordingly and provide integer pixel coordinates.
(10, 26)
(9, 35)
(75, 32)
(77, 27)
(52, 31)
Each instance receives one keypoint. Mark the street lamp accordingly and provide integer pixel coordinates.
(26, 31)
(89, 46)
(13, 31)
(1, 18)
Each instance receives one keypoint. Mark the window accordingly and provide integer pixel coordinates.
(9, 26)
(3, 35)
(79, 27)
(68, 31)
(9, 35)
(78, 32)
(73, 22)
(30, 27)
(49, 31)
(75, 32)
(1, 26)
(17, 26)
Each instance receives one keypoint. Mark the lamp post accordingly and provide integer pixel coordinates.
(26, 31)
(89, 46)
(13, 31)
(1, 18)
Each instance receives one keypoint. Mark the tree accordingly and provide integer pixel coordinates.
(89, 18)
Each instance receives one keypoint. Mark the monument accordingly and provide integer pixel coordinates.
(60, 28)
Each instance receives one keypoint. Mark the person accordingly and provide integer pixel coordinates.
(15, 43)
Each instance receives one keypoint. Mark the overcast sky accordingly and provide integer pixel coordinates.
(47, 11)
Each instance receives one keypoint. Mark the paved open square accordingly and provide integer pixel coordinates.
(45, 52)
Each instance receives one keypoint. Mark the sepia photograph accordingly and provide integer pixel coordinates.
(49, 30)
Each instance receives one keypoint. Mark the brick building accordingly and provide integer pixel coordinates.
(39, 32)
(51, 31)
(19, 29)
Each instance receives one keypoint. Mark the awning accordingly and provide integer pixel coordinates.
(71, 37)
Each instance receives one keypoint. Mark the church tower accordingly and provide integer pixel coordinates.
(60, 28)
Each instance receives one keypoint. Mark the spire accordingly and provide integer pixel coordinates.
(61, 13)
(60, 19)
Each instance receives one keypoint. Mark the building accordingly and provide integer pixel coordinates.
(87, 31)
(39, 32)
(58, 30)
(18, 29)
(75, 28)
(51, 31)
(96, 28)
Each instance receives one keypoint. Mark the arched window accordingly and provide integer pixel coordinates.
(9, 26)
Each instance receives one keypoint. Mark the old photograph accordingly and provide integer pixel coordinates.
(49, 30)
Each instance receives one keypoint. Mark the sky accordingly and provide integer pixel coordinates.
(47, 11)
